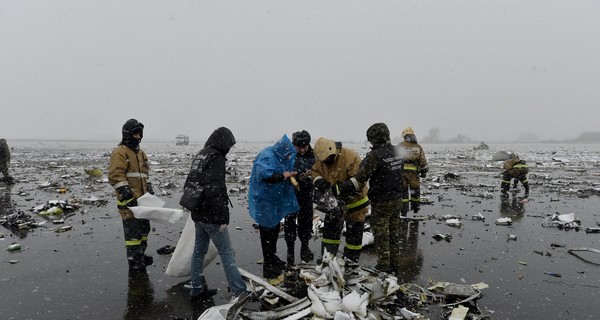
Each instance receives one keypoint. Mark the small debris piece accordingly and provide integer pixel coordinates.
(478, 217)
(168, 249)
(14, 247)
(459, 313)
(63, 229)
(503, 221)
(558, 275)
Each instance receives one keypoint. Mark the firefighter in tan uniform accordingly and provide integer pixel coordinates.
(335, 164)
(515, 168)
(128, 175)
(414, 168)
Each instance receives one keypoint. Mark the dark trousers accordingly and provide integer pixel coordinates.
(136, 237)
(332, 234)
(506, 178)
(298, 225)
(272, 265)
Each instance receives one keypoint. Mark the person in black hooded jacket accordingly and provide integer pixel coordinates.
(211, 216)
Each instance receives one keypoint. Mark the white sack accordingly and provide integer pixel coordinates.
(180, 264)
(160, 215)
(150, 200)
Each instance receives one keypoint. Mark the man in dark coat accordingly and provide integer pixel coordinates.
(211, 216)
(300, 224)
(382, 168)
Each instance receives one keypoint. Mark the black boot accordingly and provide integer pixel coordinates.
(148, 260)
(135, 258)
(305, 254)
(9, 180)
(415, 206)
(137, 263)
(272, 266)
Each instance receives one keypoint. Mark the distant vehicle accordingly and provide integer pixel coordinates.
(182, 140)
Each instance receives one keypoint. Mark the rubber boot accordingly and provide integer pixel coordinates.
(9, 180)
(505, 186)
(272, 266)
(148, 259)
(415, 206)
(306, 255)
(135, 258)
(404, 208)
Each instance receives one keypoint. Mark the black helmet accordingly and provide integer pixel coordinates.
(378, 133)
(130, 128)
(301, 138)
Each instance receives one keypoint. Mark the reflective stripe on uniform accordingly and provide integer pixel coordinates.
(136, 175)
(358, 203)
(353, 247)
(331, 241)
(505, 181)
(133, 242)
(120, 184)
(145, 238)
(410, 166)
(355, 183)
(404, 199)
(519, 166)
(124, 202)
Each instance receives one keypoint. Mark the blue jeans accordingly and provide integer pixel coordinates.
(204, 234)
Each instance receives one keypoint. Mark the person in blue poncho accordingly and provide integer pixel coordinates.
(271, 197)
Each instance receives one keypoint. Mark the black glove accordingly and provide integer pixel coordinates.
(150, 188)
(423, 174)
(336, 189)
(322, 185)
(126, 199)
(343, 188)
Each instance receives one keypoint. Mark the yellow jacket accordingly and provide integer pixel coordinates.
(344, 166)
(131, 168)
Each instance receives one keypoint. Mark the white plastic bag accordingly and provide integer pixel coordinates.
(150, 200)
(152, 208)
(160, 215)
(180, 264)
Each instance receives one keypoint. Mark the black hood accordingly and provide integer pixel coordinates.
(129, 128)
(221, 139)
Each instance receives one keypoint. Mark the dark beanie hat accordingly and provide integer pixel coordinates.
(301, 138)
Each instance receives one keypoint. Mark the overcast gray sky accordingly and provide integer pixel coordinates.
(489, 70)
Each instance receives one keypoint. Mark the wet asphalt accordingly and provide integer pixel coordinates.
(82, 273)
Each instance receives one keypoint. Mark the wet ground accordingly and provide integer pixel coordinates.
(82, 273)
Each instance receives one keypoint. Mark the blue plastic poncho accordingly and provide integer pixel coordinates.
(270, 202)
